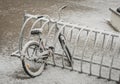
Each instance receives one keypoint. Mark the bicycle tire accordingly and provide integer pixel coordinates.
(66, 50)
(25, 67)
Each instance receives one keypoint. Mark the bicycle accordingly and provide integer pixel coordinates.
(35, 63)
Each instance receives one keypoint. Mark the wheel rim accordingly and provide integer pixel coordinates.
(33, 65)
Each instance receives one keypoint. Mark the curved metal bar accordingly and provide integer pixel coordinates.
(103, 43)
(87, 29)
(76, 42)
(71, 34)
(21, 34)
(103, 55)
(95, 36)
(48, 26)
(73, 27)
(84, 49)
(50, 30)
(113, 56)
(68, 33)
(96, 40)
(111, 42)
(36, 23)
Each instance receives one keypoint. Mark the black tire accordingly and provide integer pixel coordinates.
(66, 50)
(118, 10)
(37, 69)
(68, 54)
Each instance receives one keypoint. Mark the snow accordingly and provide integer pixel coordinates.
(89, 13)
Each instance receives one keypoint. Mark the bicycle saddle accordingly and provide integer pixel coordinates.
(36, 31)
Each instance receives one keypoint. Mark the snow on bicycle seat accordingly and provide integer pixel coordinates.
(36, 31)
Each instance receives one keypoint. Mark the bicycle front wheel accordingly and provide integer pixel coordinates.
(31, 64)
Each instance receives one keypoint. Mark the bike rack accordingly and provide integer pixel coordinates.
(94, 52)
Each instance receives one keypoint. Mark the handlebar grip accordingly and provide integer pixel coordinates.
(34, 16)
(63, 7)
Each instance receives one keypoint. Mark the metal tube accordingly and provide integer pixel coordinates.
(103, 54)
(53, 59)
(103, 41)
(50, 30)
(64, 30)
(40, 23)
(87, 32)
(63, 59)
(71, 35)
(95, 37)
(113, 56)
(76, 42)
(85, 44)
(68, 34)
(48, 25)
(36, 23)
(112, 42)
(96, 40)
(21, 34)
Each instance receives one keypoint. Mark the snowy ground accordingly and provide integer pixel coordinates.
(91, 13)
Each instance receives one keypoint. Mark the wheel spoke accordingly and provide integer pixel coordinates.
(28, 53)
(33, 51)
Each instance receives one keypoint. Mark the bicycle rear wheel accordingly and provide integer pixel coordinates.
(31, 65)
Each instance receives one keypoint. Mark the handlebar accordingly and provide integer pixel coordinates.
(46, 16)
(39, 16)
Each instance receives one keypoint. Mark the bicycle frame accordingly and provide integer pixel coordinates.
(48, 49)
